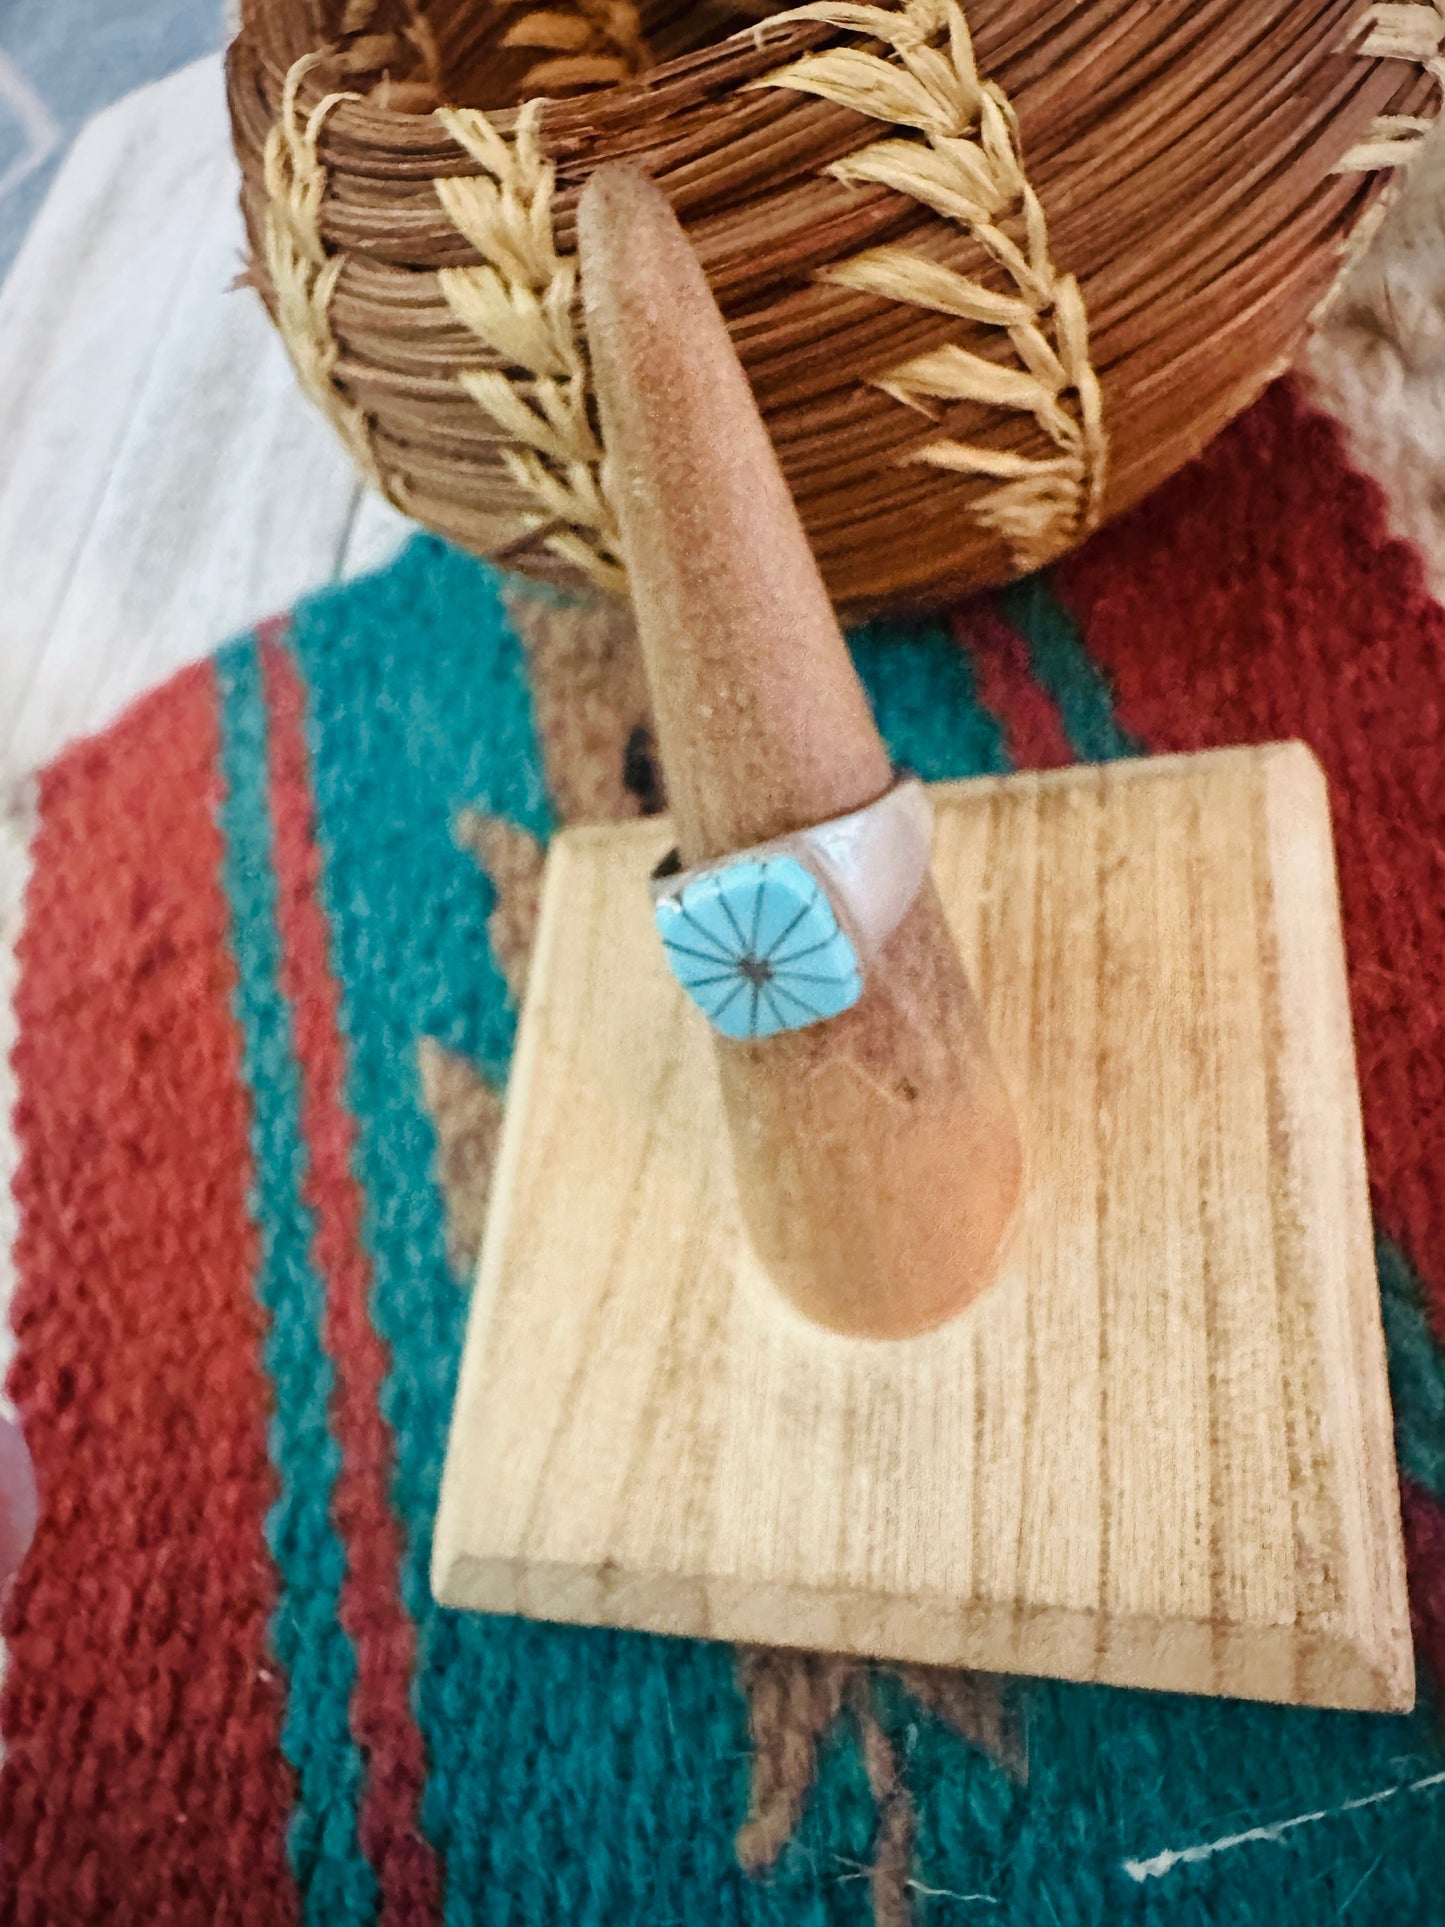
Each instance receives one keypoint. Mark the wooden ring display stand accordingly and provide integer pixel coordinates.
(994, 270)
(702, 1390)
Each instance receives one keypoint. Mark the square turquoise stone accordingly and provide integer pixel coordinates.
(757, 947)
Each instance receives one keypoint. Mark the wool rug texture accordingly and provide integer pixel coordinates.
(265, 986)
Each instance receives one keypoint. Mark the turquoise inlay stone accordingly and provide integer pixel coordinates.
(758, 949)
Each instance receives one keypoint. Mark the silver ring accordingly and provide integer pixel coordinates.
(780, 936)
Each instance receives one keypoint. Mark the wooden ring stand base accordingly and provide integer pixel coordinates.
(1157, 1452)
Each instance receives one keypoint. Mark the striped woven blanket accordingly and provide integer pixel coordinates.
(275, 924)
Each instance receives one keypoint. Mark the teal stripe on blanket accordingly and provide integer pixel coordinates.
(316, 1654)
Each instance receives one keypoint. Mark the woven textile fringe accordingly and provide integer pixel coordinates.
(522, 304)
(956, 150)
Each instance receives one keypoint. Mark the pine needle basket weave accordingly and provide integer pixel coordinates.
(994, 271)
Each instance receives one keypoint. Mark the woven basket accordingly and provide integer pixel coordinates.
(992, 278)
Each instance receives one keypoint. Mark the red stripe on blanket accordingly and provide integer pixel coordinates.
(143, 1778)
(1032, 727)
(1424, 1523)
(371, 1606)
(1260, 595)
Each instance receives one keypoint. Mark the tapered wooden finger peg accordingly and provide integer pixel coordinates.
(876, 1154)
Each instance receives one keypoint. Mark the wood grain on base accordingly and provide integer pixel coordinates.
(1157, 1452)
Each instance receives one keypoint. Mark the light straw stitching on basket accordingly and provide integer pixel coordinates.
(303, 275)
(521, 303)
(956, 151)
(1394, 31)
(584, 43)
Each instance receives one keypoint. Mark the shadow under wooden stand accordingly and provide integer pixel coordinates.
(1152, 1443)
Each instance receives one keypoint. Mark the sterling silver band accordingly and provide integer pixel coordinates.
(871, 862)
